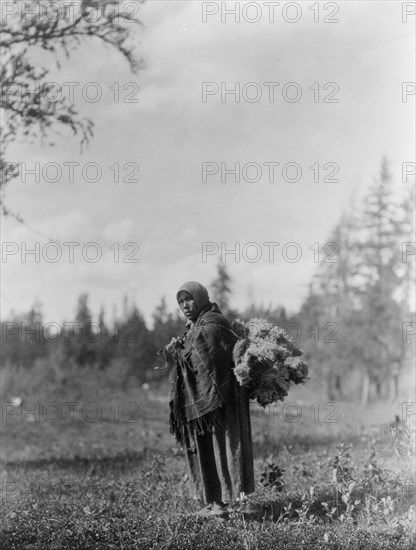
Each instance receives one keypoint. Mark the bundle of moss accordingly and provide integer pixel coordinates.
(267, 361)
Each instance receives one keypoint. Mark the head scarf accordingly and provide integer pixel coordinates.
(200, 383)
(198, 292)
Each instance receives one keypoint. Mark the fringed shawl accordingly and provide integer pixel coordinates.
(201, 379)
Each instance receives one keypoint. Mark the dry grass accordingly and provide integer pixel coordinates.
(121, 482)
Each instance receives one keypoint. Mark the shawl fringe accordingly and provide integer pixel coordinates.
(200, 426)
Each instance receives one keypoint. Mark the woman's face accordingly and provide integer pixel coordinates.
(188, 306)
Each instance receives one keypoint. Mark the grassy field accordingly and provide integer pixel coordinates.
(104, 472)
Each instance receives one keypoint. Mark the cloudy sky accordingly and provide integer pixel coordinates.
(166, 138)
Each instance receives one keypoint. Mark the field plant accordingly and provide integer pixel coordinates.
(124, 484)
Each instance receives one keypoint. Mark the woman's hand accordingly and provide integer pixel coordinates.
(169, 348)
(174, 344)
(169, 352)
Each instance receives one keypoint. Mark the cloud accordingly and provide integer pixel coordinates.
(167, 135)
(119, 230)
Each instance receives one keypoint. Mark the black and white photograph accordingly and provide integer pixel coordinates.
(208, 253)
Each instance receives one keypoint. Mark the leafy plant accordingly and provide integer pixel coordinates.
(271, 476)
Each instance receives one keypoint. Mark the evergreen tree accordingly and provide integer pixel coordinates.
(165, 325)
(105, 345)
(80, 338)
(135, 345)
(364, 293)
(221, 287)
(380, 249)
(23, 339)
(329, 304)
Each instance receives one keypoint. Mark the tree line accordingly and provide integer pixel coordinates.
(365, 297)
(356, 326)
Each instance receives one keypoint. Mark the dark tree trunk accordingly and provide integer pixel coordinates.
(338, 385)
(331, 387)
(394, 382)
(365, 390)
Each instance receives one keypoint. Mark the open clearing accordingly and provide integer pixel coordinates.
(109, 475)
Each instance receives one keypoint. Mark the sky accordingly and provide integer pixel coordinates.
(337, 107)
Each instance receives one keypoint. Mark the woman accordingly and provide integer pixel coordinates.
(209, 410)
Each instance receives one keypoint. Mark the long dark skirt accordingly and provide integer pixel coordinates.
(221, 461)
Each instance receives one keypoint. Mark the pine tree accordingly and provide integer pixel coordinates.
(331, 297)
(135, 346)
(365, 294)
(105, 345)
(221, 287)
(380, 249)
(82, 348)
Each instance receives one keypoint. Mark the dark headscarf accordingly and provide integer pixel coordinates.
(198, 292)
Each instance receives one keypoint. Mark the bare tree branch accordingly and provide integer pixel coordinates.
(27, 112)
